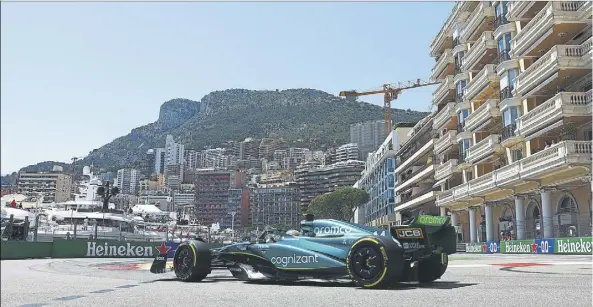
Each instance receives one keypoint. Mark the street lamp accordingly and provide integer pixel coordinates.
(232, 213)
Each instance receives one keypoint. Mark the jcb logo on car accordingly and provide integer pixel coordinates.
(410, 233)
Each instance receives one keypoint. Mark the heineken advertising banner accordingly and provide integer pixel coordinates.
(572, 246)
(110, 249)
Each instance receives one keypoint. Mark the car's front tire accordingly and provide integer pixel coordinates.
(432, 268)
(192, 261)
(375, 262)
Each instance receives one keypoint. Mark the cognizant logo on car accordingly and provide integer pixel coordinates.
(331, 230)
(294, 259)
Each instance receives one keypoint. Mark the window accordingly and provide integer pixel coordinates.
(461, 115)
(390, 165)
(504, 43)
(510, 115)
(390, 181)
(460, 86)
(501, 9)
(588, 135)
(508, 79)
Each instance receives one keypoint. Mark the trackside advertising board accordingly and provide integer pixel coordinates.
(110, 249)
(566, 246)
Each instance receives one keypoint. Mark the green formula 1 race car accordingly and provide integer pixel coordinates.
(327, 249)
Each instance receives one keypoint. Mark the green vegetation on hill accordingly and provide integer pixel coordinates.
(303, 117)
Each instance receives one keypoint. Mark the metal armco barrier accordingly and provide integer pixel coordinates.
(25, 250)
(565, 246)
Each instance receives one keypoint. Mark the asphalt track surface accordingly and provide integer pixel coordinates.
(471, 280)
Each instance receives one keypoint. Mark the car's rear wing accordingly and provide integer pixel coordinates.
(427, 231)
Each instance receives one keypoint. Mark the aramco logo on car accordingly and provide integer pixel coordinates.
(331, 230)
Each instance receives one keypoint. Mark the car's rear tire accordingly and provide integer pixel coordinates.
(192, 261)
(432, 268)
(375, 262)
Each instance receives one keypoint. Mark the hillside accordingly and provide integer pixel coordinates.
(297, 115)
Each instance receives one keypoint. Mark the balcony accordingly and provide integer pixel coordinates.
(481, 52)
(444, 116)
(475, 89)
(485, 112)
(560, 63)
(478, 21)
(445, 170)
(445, 142)
(482, 185)
(460, 192)
(484, 148)
(445, 198)
(444, 65)
(500, 21)
(556, 158)
(508, 176)
(444, 38)
(523, 9)
(508, 133)
(555, 24)
(445, 92)
(560, 106)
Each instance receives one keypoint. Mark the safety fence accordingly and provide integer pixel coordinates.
(85, 249)
(562, 246)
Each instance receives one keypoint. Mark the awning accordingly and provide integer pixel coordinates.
(545, 130)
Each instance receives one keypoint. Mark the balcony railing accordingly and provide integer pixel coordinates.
(444, 116)
(561, 105)
(476, 18)
(503, 56)
(509, 131)
(515, 8)
(482, 79)
(508, 175)
(443, 90)
(445, 170)
(554, 12)
(484, 148)
(445, 198)
(482, 185)
(557, 58)
(445, 141)
(563, 154)
(486, 111)
(444, 60)
(478, 49)
(506, 93)
(456, 41)
(457, 69)
(557, 155)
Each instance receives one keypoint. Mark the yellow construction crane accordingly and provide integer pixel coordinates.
(390, 92)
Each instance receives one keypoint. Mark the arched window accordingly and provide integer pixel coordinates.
(567, 204)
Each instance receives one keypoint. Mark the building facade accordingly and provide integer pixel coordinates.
(277, 204)
(514, 119)
(368, 136)
(314, 180)
(378, 179)
(128, 180)
(53, 187)
(347, 152)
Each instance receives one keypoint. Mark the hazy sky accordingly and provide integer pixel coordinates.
(75, 76)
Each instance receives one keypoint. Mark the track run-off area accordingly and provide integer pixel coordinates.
(471, 280)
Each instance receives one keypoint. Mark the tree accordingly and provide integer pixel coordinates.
(338, 204)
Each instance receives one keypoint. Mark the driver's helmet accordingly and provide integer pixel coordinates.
(293, 232)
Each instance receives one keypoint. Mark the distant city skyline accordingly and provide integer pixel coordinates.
(66, 67)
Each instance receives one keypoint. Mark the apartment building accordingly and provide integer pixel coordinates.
(275, 204)
(213, 189)
(347, 152)
(415, 167)
(54, 187)
(378, 179)
(128, 180)
(368, 135)
(514, 118)
(314, 180)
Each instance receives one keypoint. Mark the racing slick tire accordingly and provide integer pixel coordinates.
(432, 268)
(192, 261)
(375, 262)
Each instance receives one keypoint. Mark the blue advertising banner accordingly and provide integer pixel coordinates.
(492, 248)
(545, 246)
